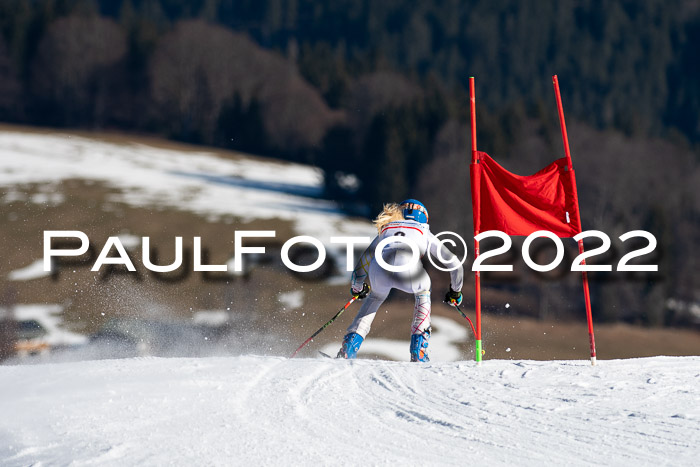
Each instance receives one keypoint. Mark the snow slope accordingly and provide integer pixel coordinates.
(276, 411)
(199, 182)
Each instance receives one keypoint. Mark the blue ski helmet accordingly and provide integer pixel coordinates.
(414, 210)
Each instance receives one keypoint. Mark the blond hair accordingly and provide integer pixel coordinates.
(391, 212)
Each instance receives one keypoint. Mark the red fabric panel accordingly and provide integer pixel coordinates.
(520, 205)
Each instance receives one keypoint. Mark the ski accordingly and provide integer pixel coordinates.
(325, 354)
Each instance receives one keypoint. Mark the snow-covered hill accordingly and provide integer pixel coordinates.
(55, 180)
(276, 411)
(196, 181)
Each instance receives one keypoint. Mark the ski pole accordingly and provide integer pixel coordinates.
(354, 297)
(465, 316)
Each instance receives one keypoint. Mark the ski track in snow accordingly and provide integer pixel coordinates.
(277, 411)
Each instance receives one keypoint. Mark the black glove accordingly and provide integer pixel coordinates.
(453, 297)
(362, 293)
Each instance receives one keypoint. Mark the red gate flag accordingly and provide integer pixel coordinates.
(517, 205)
(521, 205)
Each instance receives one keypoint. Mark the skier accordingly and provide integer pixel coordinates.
(408, 220)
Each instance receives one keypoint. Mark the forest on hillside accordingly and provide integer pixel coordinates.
(375, 94)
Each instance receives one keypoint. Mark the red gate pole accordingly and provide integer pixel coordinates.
(584, 274)
(477, 275)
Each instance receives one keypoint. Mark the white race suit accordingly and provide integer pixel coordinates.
(415, 281)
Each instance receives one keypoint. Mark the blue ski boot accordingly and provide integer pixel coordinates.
(351, 344)
(419, 346)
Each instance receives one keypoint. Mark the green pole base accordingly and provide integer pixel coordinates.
(479, 352)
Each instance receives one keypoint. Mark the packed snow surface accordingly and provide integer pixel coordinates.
(276, 411)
